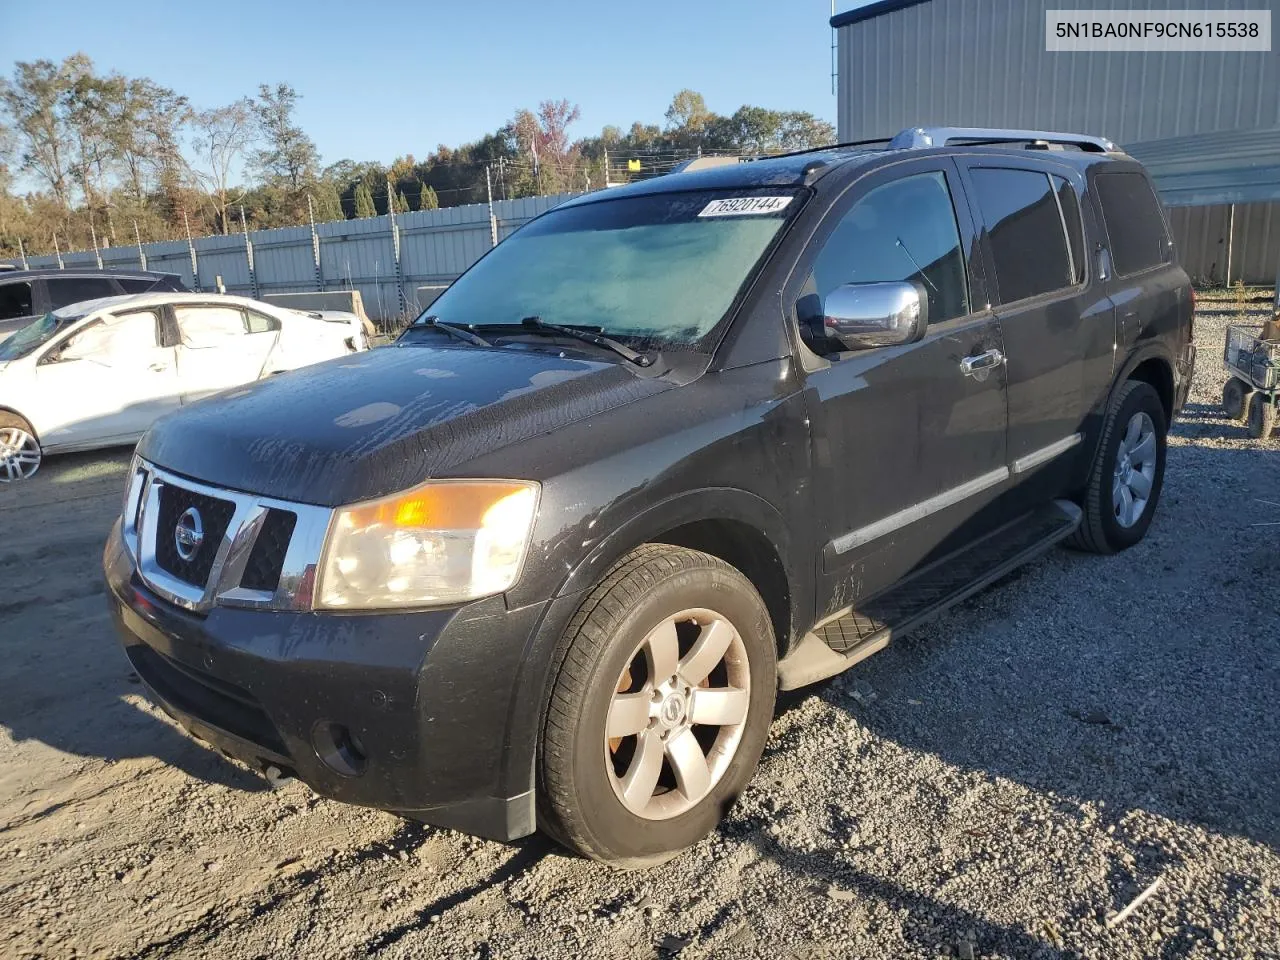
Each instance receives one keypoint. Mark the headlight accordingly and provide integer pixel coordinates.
(443, 542)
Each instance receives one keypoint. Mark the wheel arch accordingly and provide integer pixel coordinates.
(1153, 367)
(5, 408)
(734, 525)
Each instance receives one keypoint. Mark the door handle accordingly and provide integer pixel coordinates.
(980, 365)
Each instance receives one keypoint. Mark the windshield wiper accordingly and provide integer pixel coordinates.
(451, 330)
(622, 350)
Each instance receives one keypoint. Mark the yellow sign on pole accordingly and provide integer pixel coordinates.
(634, 164)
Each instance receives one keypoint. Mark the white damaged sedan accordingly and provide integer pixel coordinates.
(98, 373)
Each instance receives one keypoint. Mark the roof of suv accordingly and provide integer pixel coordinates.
(82, 272)
(807, 166)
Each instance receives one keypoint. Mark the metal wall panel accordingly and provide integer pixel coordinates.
(984, 63)
(435, 247)
(1201, 237)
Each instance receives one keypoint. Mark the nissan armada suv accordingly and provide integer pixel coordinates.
(545, 561)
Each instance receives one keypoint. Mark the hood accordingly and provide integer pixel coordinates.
(381, 421)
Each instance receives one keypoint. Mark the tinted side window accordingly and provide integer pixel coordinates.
(67, 290)
(1070, 206)
(904, 230)
(15, 300)
(135, 284)
(1028, 242)
(1134, 222)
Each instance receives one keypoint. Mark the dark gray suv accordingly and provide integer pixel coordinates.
(27, 294)
(670, 447)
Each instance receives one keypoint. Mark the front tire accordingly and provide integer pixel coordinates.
(1128, 472)
(20, 452)
(660, 709)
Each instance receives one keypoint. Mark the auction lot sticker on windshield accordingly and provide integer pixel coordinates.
(744, 206)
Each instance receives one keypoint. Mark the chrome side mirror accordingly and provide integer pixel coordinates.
(862, 315)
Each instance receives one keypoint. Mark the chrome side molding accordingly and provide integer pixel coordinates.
(1045, 454)
(918, 511)
(949, 498)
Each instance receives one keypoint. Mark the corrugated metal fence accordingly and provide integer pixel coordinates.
(1212, 241)
(438, 245)
(434, 247)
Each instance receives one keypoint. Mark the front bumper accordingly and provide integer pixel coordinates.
(438, 704)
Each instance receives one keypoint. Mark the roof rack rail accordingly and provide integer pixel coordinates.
(917, 137)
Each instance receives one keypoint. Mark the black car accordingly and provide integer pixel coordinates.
(27, 294)
(543, 563)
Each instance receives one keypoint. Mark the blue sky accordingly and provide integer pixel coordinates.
(382, 79)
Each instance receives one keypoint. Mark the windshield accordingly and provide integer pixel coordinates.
(662, 268)
(34, 334)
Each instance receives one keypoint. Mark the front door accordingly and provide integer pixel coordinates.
(105, 383)
(909, 441)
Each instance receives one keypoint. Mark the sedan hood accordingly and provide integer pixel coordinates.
(382, 421)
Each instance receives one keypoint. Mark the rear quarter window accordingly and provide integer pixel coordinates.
(1135, 223)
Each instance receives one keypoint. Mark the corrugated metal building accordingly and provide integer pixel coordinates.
(1207, 125)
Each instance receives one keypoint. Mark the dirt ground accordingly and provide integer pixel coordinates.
(998, 784)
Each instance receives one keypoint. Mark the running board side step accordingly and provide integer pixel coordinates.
(852, 635)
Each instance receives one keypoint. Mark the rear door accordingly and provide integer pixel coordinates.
(908, 446)
(106, 382)
(1056, 321)
(219, 348)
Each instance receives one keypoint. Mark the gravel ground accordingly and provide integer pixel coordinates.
(998, 784)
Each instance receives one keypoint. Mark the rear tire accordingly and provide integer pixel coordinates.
(1235, 399)
(1128, 472)
(641, 754)
(1262, 416)
(20, 451)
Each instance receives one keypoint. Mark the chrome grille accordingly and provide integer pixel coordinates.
(257, 551)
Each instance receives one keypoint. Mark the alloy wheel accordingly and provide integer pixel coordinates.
(1135, 469)
(678, 714)
(19, 454)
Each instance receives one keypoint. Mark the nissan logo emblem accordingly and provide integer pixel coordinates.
(188, 534)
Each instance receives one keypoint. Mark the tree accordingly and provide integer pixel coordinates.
(327, 204)
(364, 202)
(223, 134)
(288, 155)
(427, 199)
(36, 100)
(687, 119)
(144, 129)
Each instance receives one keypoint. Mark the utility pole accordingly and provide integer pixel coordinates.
(142, 256)
(97, 254)
(191, 251)
(248, 253)
(23, 254)
(537, 171)
(315, 244)
(493, 221)
(607, 184)
(395, 248)
(58, 253)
